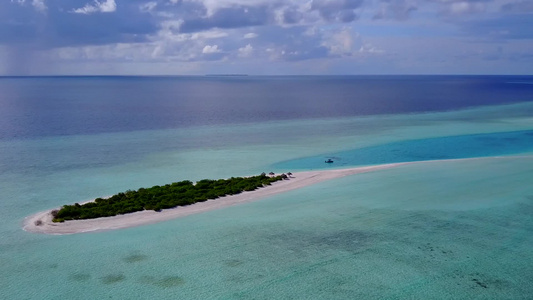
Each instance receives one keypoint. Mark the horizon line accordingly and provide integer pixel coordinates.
(229, 75)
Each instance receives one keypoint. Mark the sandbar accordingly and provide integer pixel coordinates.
(296, 181)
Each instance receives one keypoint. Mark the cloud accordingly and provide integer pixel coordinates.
(525, 6)
(39, 5)
(395, 9)
(207, 14)
(246, 51)
(504, 27)
(315, 52)
(208, 49)
(22, 25)
(458, 8)
(233, 17)
(269, 32)
(465, 7)
(340, 43)
(210, 34)
(250, 35)
(106, 6)
(290, 15)
(346, 43)
(213, 6)
(148, 6)
(370, 49)
(337, 10)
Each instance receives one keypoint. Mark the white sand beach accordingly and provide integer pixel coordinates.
(297, 180)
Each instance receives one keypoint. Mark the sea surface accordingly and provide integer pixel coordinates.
(457, 225)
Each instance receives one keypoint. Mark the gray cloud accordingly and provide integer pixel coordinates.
(17, 23)
(292, 16)
(61, 27)
(261, 14)
(508, 26)
(248, 30)
(395, 9)
(234, 17)
(518, 7)
(337, 10)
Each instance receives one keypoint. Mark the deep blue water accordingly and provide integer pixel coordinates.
(440, 230)
(449, 147)
(52, 106)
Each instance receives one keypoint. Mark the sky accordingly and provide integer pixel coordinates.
(265, 37)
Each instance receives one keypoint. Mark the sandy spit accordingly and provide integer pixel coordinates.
(296, 181)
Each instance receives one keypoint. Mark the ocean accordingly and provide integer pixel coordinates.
(442, 229)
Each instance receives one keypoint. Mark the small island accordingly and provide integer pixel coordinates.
(146, 210)
(157, 198)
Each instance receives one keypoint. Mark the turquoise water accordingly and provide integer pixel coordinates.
(446, 230)
(449, 147)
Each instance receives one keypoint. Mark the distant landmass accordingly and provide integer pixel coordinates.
(226, 75)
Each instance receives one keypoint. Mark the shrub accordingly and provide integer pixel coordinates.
(162, 197)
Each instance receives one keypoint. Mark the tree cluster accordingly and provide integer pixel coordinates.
(161, 197)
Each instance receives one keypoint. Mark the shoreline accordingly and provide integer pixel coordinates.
(296, 181)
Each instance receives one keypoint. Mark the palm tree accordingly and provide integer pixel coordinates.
(271, 174)
(289, 173)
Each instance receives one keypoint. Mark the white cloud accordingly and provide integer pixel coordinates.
(210, 34)
(246, 51)
(148, 7)
(39, 5)
(461, 7)
(340, 43)
(399, 10)
(345, 43)
(370, 49)
(208, 49)
(168, 44)
(250, 35)
(170, 26)
(213, 6)
(465, 7)
(106, 6)
(304, 32)
(105, 53)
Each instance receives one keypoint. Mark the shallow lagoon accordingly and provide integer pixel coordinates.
(438, 230)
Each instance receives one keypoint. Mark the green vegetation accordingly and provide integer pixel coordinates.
(161, 197)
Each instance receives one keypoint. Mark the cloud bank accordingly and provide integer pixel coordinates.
(265, 36)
